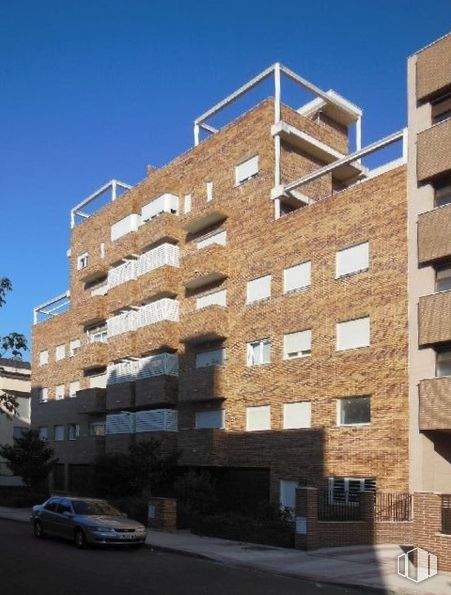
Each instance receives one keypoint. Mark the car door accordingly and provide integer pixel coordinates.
(64, 519)
(48, 516)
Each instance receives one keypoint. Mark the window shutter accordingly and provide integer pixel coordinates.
(246, 170)
(218, 298)
(351, 260)
(73, 388)
(187, 203)
(296, 344)
(258, 289)
(258, 418)
(59, 391)
(297, 277)
(219, 237)
(60, 352)
(124, 226)
(297, 415)
(166, 203)
(209, 419)
(43, 358)
(98, 381)
(352, 334)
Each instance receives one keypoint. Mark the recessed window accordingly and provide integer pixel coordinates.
(347, 489)
(58, 433)
(287, 492)
(98, 333)
(209, 419)
(246, 170)
(215, 298)
(352, 260)
(82, 261)
(44, 358)
(43, 432)
(258, 289)
(98, 380)
(60, 352)
(217, 237)
(74, 347)
(259, 352)
(74, 431)
(443, 277)
(442, 192)
(59, 392)
(352, 334)
(258, 418)
(297, 344)
(209, 191)
(354, 411)
(443, 363)
(441, 108)
(298, 276)
(297, 415)
(43, 395)
(187, 203)
(215, 357)
(96, 428)
(73, 388)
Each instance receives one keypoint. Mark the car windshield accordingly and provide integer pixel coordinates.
(92, 507)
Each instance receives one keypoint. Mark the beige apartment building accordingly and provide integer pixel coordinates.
(248, 305)
(15, 380)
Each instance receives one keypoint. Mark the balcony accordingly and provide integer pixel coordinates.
(94, 355)
(434, 317)
(435, 404)
(161, 335)
(91, 400)
(161, 364)
(93, 310)
(157, 390)
(123, 296)
(197, 221)
(206, 266)
(206, 324)
(120, 396)
(433, 151)
(164, 227)
(434, 234)
(122, 346)
(433, 68)
(94, 270)
(121, 248)
(203, 384)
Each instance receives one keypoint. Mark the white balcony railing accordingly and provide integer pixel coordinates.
(162, 364)
(164, 255)
(166, 203)
(154, 420)
(122, 273)
(164, 309)
(122, 323)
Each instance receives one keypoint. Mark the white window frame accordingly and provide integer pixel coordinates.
(365, 342)
(340, 402)
(60, 392)
(265, 281)
(97, 334)
(346, 492)
(201, 416)
(44, 357)
(75, 384)
(302, 408)
(339, 264)
(82, 261)
(74, 347)
(300, 353)
(288, 284)
(250, 352)
(251, 164)
(251, 424)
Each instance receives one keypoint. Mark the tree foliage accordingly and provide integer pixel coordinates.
(13, 343)
(30, 458)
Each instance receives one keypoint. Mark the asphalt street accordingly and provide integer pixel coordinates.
(29, 566)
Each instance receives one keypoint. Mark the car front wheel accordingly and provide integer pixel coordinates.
(80, 539)
(38, 531)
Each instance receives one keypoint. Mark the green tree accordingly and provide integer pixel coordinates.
(30, 458)
(15, 344)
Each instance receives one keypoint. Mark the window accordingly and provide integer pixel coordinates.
(187, 204)
(354, 411)
(52, 504)
(44, 358)
(209, 191)
(43, 395)
(60, 352)
(298, 276)
(214, 357)
(59, 391)
(297, 415)
(43, 432)
(74, 347)
(347, 489)
(124, 226)
(258, 418)
(98, 381)
(209, 419)
(246, 170)
(216, 298)
(58, 433)
(98, 333)
(217, 237)
(442, 192)
(73, 388)
(443, 277)
(82, 261)
(258, 289)
(64, 506)
(287, 491)
(352, 334)
(259, 352)
(441, 108)
(443, 363)
(352, 260)
(96, 428)
(18, 432)
(297, 344)
(74, 431)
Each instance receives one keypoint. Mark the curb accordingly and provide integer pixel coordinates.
(16, 520)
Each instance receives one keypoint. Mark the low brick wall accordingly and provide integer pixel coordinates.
(162, 514)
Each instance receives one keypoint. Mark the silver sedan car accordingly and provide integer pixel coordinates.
(86, 521)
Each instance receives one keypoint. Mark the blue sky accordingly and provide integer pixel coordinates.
(91, 90)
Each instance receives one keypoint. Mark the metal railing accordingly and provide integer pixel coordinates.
(393, 507)
(446, 514)
(330, 509)
(162, 364)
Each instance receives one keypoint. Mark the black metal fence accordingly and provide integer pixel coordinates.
(330, 509)
(446, 514)
(393, 507)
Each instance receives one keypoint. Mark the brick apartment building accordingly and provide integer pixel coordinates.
(248, 304)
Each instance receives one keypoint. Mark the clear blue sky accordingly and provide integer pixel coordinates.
(91, 90)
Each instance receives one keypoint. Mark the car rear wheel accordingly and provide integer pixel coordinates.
(80, 539)
(38, 530)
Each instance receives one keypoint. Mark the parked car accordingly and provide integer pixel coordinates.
(86, 521)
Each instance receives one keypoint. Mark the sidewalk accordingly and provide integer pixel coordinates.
(368, 567)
